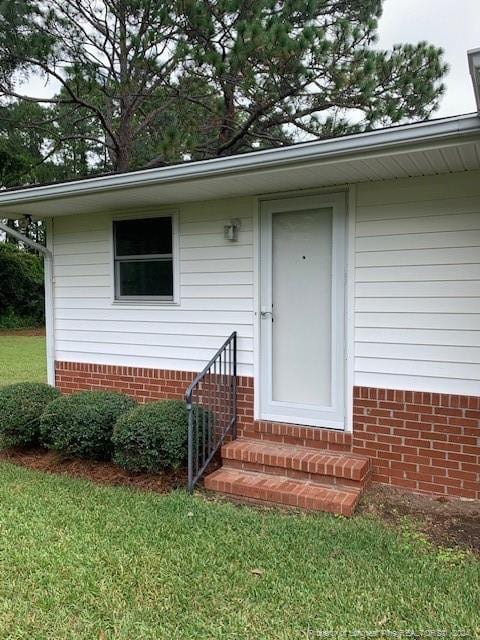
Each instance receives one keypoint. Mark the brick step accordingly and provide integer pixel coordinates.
(266, 488)
(297, 462)
(313, 437)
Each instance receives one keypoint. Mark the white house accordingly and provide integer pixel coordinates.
(350, 270)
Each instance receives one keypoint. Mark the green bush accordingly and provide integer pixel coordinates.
(21, 406)
(81, 424)
(21, 290)
(152, 437)
(10, 320)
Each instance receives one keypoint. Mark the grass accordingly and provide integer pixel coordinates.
(22, 358)
(83, 561)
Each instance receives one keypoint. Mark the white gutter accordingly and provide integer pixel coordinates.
(386, 139)
(49, 308)
(474, 66)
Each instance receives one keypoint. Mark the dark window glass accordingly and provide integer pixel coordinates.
(146, 278)
(146, 236)
(143, 258)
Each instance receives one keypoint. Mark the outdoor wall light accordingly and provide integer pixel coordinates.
(230, 231)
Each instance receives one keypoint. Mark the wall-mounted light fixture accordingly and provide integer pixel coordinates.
(230, 231)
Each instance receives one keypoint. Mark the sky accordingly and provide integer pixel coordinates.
(453, 25)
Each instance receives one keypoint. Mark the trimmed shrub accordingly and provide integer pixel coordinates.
(152, 437)
(81, 424)
(21, 406)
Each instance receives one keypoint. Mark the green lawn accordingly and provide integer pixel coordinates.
(22, 358)
(82, 561)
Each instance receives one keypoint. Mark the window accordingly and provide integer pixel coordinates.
(143, 253)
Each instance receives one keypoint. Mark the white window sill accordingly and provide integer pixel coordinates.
(145, 304)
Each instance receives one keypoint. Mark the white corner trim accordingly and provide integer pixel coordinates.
(50, 303)
(256, 308)
(350, 306)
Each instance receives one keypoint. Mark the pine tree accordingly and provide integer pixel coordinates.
(269, 71)
(148, 81)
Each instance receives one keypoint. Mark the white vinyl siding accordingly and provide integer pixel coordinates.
(417, 288)
(216, 293)
(417, 284)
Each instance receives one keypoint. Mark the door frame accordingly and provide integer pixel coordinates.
(346, 196)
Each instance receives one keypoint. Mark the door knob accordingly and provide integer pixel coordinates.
(266, 314)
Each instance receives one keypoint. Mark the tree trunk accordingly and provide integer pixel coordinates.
(122, 156)
(226, 126)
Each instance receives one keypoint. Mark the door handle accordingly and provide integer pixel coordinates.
(266, 314)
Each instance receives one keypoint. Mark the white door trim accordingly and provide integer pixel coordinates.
(334, 416)
(350, 305)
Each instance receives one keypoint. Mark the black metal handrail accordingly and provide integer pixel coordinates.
(212, 409)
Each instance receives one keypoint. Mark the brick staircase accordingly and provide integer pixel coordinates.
(270, 467)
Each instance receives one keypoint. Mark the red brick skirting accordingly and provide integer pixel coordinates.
(145, 385)
(426, 442)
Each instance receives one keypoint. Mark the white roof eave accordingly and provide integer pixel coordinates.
(392, 139)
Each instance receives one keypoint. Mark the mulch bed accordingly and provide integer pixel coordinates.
(447, 522)
(39, 331)
(97, 471)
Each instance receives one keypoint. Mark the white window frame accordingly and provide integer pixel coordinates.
(146, 300)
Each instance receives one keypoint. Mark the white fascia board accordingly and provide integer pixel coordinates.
(347, 146)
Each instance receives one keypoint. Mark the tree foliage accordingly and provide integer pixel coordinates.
(109, 57)
(24, 135)
(270, 71)
(144, 82)
(21, 287)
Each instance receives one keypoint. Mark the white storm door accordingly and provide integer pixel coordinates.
(302, 309)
